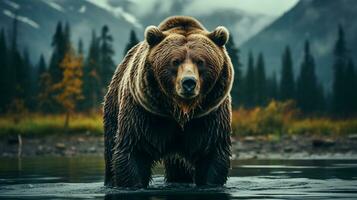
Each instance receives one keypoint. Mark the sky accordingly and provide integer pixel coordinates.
(268, 7)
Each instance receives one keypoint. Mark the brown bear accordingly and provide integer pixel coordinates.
(169, 100)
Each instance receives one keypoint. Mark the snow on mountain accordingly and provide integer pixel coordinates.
(38, 20)
(118, 12)
(54, 5)
(12, 4)
(82, 9)
(23, 19)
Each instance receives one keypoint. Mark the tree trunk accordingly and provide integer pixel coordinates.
(66, 121)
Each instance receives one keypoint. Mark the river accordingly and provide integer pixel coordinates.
(81, 177)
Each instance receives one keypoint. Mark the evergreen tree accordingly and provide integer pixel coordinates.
(287, 83)
(339, 97)
(250, 83)
(28, 80)
(41, 66)
(355, 94)
(260, 81)
(321, 98)
(233, 52)
(92, 80)
(45, 83)
(272, 88)
(4, 81)
(57, 44)
(80, 47)
(350, 83)
(41, 71)
(18, 72)
(133, 40)
(307, 86)
(60, 44)
(67, 37)
(106, 54)
(17, 75)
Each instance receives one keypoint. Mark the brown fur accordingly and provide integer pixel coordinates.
(146, 120)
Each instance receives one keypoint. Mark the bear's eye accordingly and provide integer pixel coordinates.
(200, 63)
(176, 62)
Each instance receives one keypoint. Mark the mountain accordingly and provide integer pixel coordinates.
(316, 20)
(38, 20)
(241, 24)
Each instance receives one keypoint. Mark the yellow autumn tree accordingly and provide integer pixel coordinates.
(70, 87)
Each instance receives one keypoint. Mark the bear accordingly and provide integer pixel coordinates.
(169, 101)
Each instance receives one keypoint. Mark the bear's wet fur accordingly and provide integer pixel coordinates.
(146, 120)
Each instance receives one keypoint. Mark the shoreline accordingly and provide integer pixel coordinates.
(297, 147)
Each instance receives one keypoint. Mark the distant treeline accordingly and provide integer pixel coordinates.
(254, 88)
(72, 81)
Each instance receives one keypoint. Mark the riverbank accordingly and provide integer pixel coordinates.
(249, 147)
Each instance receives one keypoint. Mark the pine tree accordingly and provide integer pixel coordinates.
(233, 52)
(250, 83)
(67, 37)
(133, 40)
(287, 83)
(321, 99)
(16, 63)
(28, 81)
(339, 97)
(41, 66)
(350, 83)
(16, 75)
(70, 87)
(4, 81)
(260, 81)
(80, 47)
(44, 85)
(59, 49)
(106, 54)
(91, 77)
(272, 88)
(307, 86)
(355, 94)
(45, 103)
(60, 43)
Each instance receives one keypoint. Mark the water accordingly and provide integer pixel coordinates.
(82, 178)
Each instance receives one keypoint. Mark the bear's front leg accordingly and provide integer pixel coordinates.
(212, 170)
(131, 169)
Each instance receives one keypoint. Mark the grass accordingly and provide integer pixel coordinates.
(38, 125)
(279, 118)
(275, 119)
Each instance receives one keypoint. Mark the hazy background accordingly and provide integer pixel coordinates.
(243, 18)
(302, 50)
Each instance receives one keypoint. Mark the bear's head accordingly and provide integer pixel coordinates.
(190, 65)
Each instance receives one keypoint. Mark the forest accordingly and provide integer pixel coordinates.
(71, 84)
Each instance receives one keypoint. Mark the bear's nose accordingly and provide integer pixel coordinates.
(188, 84)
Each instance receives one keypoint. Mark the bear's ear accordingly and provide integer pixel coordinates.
(219, 36)
(153, 35)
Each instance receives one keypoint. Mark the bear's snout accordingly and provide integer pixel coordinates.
(188, 85)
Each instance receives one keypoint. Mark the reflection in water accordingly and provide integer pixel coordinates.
(82, 177)
(213, 196)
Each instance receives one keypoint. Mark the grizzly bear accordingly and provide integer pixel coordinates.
(169, 100)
